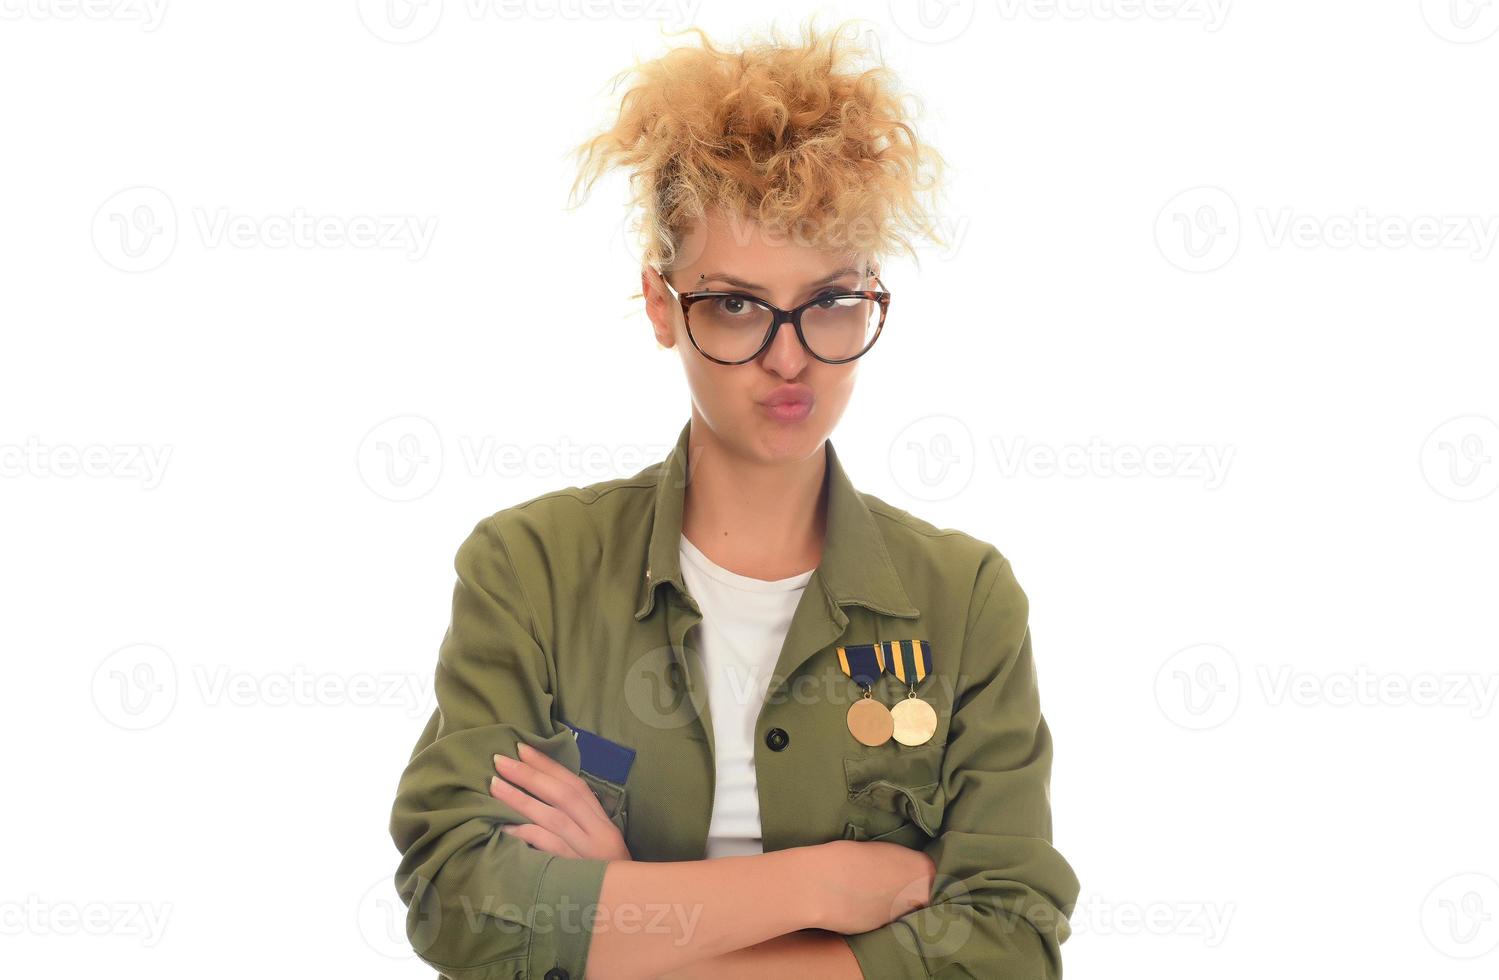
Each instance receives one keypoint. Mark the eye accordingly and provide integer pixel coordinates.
(733, 306)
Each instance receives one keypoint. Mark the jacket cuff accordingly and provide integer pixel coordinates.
(567, 897)
(884, 955)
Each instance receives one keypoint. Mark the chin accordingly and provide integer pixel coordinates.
(790, 440)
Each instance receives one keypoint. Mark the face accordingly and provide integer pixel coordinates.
(734, 401)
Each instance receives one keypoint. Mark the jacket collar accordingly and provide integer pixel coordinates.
(855, 566)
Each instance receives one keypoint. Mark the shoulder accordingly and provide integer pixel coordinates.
(574, 524)
(953, 559)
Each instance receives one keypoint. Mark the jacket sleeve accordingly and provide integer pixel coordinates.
(1002, 892)
(480, 903)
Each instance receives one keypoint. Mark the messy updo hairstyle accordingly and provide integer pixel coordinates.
(807, 139)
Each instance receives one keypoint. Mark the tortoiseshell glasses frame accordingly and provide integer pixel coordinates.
(780, 316)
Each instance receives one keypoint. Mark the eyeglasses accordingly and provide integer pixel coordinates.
(835, 326)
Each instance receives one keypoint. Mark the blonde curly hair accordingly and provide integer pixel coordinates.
(801, 138)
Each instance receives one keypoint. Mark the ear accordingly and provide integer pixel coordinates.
(658, 307)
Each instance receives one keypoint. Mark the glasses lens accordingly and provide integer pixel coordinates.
(729, 328)
(840, 326)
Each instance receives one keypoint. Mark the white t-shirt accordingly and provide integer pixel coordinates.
(744, 625)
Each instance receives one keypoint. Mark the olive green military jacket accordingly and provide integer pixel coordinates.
(569, 631)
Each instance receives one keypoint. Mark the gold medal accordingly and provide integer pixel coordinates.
(869, 721)
(915, 721)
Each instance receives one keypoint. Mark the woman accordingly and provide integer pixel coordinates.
(730, 715)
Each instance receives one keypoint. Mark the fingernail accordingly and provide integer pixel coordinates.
(494, 782)
(499, 759)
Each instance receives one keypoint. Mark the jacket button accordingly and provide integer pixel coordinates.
(777, 739)
(556, 973)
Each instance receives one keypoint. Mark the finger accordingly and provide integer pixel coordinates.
(558, 784)
(540, 838)
(551, 781)
(528, 806)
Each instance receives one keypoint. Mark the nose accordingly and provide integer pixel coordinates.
(785, 356)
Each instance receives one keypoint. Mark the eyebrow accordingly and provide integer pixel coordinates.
(742, 284)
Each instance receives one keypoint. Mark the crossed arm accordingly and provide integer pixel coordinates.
(747, 925)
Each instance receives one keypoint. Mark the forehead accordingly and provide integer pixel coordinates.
(742, 252)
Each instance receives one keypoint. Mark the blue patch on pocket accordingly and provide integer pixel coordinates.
(601, 757)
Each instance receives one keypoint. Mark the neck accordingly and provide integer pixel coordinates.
(762, 520)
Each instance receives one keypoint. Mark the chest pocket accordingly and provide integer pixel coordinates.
(896, 794)
(605, 766)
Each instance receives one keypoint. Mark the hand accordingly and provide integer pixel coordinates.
(866, 884)
(566, 818)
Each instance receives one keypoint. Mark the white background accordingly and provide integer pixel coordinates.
(1250, 242)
